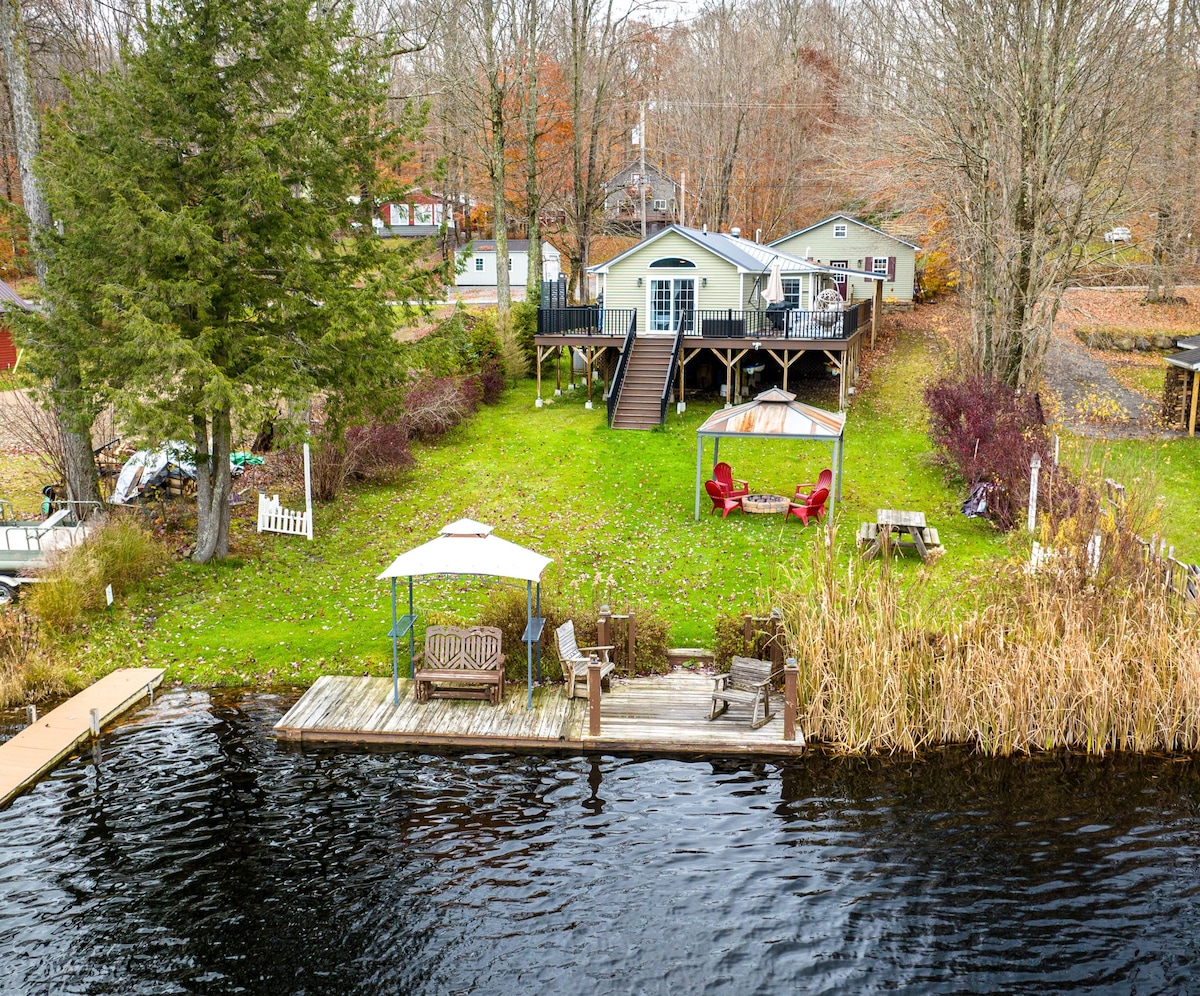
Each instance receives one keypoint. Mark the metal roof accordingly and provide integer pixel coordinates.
(853, 221)
(747, 256)
(1190, 343)
(8, 296)
(514, 245)
(775, 413)
(1189, 359)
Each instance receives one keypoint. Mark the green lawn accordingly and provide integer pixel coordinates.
(613, 509)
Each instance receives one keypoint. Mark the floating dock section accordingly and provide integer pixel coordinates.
(54, 736)
(664, 714)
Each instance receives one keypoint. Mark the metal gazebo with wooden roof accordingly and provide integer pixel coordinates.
(774, 414)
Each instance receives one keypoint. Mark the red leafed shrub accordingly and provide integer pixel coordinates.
(435, 405)
(379, 448)
(491, 381)
(987, 433)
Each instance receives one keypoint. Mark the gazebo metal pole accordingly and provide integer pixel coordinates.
(395, 652)
(529, 645)
(412, 636)
(841, 445)
(716, 450)
(699, 468)
(539, 643)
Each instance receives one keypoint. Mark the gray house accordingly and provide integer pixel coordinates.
(623, 198)
(849, 244)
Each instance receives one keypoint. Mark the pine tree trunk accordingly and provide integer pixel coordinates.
(82, 481)
(213, 485)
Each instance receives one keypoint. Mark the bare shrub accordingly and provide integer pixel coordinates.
(27, 672)
(435, 405)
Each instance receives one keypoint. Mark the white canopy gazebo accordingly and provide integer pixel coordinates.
(774, 414)
(467, 548)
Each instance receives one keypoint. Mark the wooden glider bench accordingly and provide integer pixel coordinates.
(460, 664)
(747, 683)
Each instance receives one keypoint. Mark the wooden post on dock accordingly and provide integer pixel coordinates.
(594, 697)
(604, 627)
(791, 694)
(632, 635)
(776, 628)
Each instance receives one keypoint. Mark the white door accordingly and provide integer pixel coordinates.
(672, 302)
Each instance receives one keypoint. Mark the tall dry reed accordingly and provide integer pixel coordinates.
(1082, 656)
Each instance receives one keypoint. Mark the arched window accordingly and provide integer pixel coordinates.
(672, 263)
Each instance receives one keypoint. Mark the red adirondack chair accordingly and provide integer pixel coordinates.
(812, 507)
(721, 500)
(824, 480)
(723, 475)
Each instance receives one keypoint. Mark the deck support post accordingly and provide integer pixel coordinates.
(594, 697)
(539, 377)
(876, 307)
(1195, 392)
(590, 354)
(791, 689)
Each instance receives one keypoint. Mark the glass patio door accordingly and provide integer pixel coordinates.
(671, 302)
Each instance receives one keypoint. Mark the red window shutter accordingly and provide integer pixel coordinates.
(869, 264)
(891, 268)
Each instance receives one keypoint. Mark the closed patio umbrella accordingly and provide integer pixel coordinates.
(774, 292)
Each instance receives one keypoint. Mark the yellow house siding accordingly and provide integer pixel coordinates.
(723, 289)
(858, 244)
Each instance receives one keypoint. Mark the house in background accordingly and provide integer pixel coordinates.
(478, 263)
(10, 300)
(846, 243)
(687, 309)
(623, 199)
(415, 216)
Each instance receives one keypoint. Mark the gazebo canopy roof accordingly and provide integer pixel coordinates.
(775, 414)
(469, 547)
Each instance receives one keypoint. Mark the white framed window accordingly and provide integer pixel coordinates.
(791, 291)
(660, 205)
(478, 263)
(879, 265)
(437, 214)
(839, 231)
(422, 214)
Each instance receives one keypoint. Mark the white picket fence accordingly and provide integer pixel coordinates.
(274, 518)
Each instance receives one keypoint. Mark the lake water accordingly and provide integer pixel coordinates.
(202, 857)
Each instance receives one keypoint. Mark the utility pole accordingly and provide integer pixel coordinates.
(642, 174)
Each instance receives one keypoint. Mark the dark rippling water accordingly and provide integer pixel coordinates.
(201, 857)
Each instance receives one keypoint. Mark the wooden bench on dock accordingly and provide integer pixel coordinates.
(747, 683)
(460, 663)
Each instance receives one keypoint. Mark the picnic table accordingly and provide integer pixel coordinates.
(902, 529)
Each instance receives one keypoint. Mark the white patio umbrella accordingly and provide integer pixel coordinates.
(774, 292)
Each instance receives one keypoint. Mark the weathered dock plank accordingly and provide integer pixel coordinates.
(38, 748)
(665, 714)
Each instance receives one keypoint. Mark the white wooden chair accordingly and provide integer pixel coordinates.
(575, 660)
(747, 683)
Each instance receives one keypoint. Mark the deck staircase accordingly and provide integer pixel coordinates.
(639, 402)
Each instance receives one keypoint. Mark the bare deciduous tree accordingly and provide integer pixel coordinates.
(1016, 111)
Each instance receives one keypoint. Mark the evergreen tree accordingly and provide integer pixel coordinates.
(217, 255)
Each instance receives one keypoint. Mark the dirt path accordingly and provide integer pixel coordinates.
(1082, 384)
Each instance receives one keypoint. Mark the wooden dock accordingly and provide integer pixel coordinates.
(664, 714)
(38, 748)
